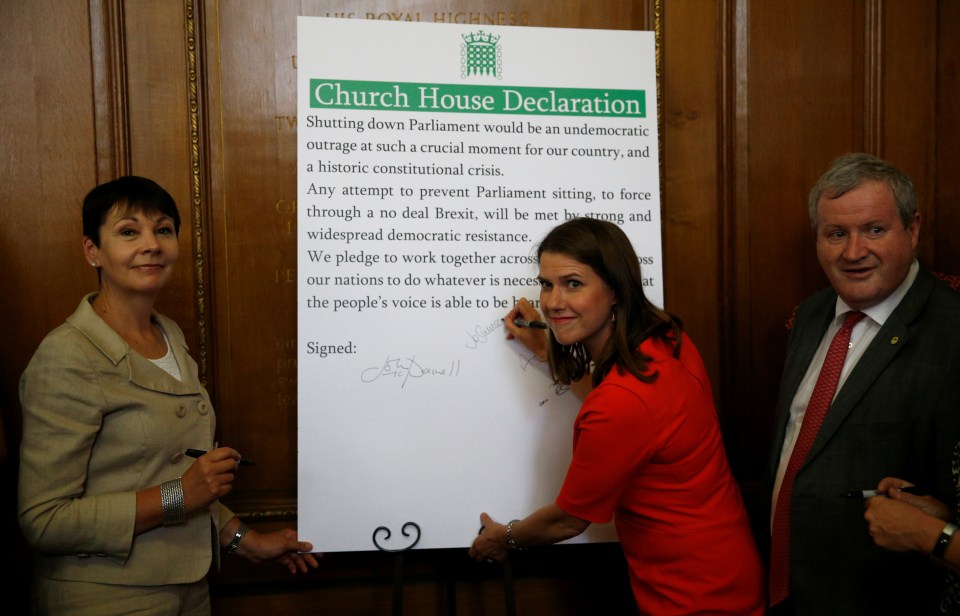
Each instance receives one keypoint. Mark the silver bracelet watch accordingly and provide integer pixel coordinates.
(235, 542)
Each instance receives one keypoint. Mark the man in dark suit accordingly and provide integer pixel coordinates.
(896, 411)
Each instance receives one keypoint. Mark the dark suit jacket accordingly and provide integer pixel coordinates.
(898, 414)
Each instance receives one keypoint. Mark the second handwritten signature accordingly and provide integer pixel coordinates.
(405, 368)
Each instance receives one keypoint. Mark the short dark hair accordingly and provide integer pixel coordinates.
(851, 170)
(130, 193)
(607, 250)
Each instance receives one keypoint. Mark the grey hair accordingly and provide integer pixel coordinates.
(851, 170)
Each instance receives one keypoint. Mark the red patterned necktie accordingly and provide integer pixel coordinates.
(820, 401)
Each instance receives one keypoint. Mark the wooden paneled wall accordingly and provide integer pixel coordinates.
(756, 99)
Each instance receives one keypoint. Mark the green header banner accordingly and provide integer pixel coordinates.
(434, 97)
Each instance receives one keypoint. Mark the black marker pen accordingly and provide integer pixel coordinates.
(196, 453)
(530, 324)
(872, 493)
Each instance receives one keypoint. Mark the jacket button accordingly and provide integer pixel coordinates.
(203, 408)
(181, 410)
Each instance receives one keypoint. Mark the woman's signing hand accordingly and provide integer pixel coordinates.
(534, 339)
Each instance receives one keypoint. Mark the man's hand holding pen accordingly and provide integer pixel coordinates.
(872, 493)
(906, 492)
(903, 521)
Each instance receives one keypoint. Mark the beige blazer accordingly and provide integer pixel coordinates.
(101, 422)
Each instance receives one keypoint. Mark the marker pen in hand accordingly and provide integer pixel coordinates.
(871, 493)
(196, 453)
(531, 324)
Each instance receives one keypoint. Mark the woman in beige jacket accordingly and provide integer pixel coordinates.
(120, 519)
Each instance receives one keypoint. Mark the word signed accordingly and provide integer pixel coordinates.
(403, 369)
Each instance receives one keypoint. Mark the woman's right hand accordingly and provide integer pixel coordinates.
(210, 477)
(535, 340)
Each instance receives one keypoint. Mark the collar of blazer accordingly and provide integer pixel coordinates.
(142, 371)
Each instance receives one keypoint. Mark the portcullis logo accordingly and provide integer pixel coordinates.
(480, 55)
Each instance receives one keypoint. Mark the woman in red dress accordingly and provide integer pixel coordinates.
(647, 448)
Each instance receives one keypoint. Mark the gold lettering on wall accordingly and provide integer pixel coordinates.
(285, 275)
(286, 381)
(287, 209)
(287, 399)
(286, 122)
(497, 18)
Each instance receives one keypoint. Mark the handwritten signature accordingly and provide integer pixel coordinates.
(403, 369)
(481, 333)
(558, 390)
(527, 360)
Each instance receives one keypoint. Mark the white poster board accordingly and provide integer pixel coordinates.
(431, 160)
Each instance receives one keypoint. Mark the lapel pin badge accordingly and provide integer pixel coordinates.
(895, 340)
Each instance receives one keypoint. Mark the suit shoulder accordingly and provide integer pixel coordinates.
(63, 341)
(945, 293)
(942, 309)
(825, 296)
(816, 306)
(64, 351)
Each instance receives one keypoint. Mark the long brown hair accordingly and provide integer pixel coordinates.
(605, 247)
